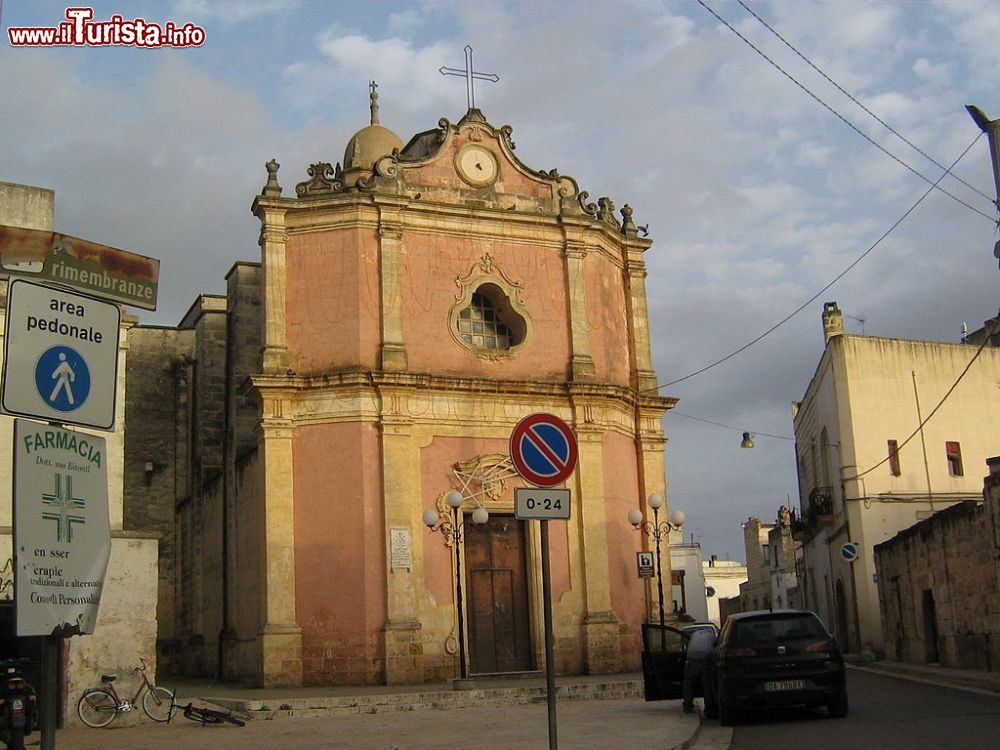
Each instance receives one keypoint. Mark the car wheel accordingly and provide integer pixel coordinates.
(727, 714)
(838, 708)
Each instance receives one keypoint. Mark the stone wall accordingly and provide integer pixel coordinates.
(939, 589)
(157, 401)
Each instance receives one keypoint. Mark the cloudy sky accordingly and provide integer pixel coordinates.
(757, 192)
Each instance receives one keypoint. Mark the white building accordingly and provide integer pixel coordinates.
(888, 432)
(722, 581)
(688, 578)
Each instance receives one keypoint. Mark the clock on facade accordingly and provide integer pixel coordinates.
(476, 165)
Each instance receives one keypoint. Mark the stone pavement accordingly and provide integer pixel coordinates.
(593, 713)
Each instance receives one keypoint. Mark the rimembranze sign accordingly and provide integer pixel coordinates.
(62, 537)
(105, 272)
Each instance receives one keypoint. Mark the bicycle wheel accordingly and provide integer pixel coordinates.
(158, 703)
(233, 720)
(97, 708)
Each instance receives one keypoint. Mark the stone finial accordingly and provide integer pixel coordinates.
(628, 226)
(373, 95)
(606, 211)
(272, 188)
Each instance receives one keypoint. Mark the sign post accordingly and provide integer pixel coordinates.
(62, 536)
(544, 451)
(61, 356)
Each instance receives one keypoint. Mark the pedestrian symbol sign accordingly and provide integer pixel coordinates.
(60, 356)
(63, 378)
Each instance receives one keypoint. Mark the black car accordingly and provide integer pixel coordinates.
(778, 658)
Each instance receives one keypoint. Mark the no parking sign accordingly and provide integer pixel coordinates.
(543, 449)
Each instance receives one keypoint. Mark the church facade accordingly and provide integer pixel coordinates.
(410, 306)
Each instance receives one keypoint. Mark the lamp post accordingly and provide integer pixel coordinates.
(453, 530)
(657, 530)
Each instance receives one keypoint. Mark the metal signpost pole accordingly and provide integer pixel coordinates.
(457, 538)
(47, 712)
(550, 666)
(544, 452)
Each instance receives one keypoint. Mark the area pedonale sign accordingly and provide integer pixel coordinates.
(89, 267)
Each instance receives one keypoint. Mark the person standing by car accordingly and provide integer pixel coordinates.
(699, 669)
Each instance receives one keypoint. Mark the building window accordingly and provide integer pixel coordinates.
(765, 550)
(954, 452)
(481, 326)
(488, 324)
(894, 458)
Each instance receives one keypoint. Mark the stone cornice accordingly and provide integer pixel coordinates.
(294, 387)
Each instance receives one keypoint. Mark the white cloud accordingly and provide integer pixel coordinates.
(230, 11)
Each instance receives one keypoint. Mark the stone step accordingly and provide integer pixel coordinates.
(289, 706)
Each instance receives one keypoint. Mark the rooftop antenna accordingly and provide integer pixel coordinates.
(860, 320)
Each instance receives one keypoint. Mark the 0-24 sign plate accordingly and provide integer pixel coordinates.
(542, 503)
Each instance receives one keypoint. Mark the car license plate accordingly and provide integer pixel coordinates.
(783, 685)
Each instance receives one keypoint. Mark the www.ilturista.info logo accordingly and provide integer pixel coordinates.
(79, 30)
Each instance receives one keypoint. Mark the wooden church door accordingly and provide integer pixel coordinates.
(499, 628)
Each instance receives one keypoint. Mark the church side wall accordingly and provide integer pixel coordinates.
(152, 399)
(246, 563)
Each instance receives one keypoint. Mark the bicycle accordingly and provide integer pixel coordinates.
(98, 707)
(210, 716)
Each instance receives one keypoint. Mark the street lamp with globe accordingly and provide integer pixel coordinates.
(657, 530)
(453, 528)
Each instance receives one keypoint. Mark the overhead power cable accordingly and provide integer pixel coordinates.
(850, 96)
(673, 412)
(986, 340)
(837, 278)
(934, 184)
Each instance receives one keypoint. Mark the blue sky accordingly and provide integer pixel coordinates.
(756, 195)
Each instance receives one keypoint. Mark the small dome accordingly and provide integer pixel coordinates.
(369, 145)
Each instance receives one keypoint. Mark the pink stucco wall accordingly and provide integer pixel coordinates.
(436, 462)
(441, 173)
(621, 494)
(606, 319)
(332, 300)
(430, 267)
(340, 552)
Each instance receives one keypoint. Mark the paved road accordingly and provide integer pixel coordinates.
(627, 724)
(886, 713)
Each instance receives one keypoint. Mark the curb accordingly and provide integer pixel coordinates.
(971, 682)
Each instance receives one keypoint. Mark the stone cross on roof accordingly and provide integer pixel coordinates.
(469, 74)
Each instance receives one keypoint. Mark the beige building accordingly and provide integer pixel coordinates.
(410, 306)
(126, 625)
(868, 469)
(939, 585)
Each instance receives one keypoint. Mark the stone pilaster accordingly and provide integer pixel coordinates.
(636, 270)
(273, 238)
(601, 635)
(390, 235)
(580, 357)
(280, 636)
(404, 662)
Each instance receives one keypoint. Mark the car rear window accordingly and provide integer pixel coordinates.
(777, 627)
